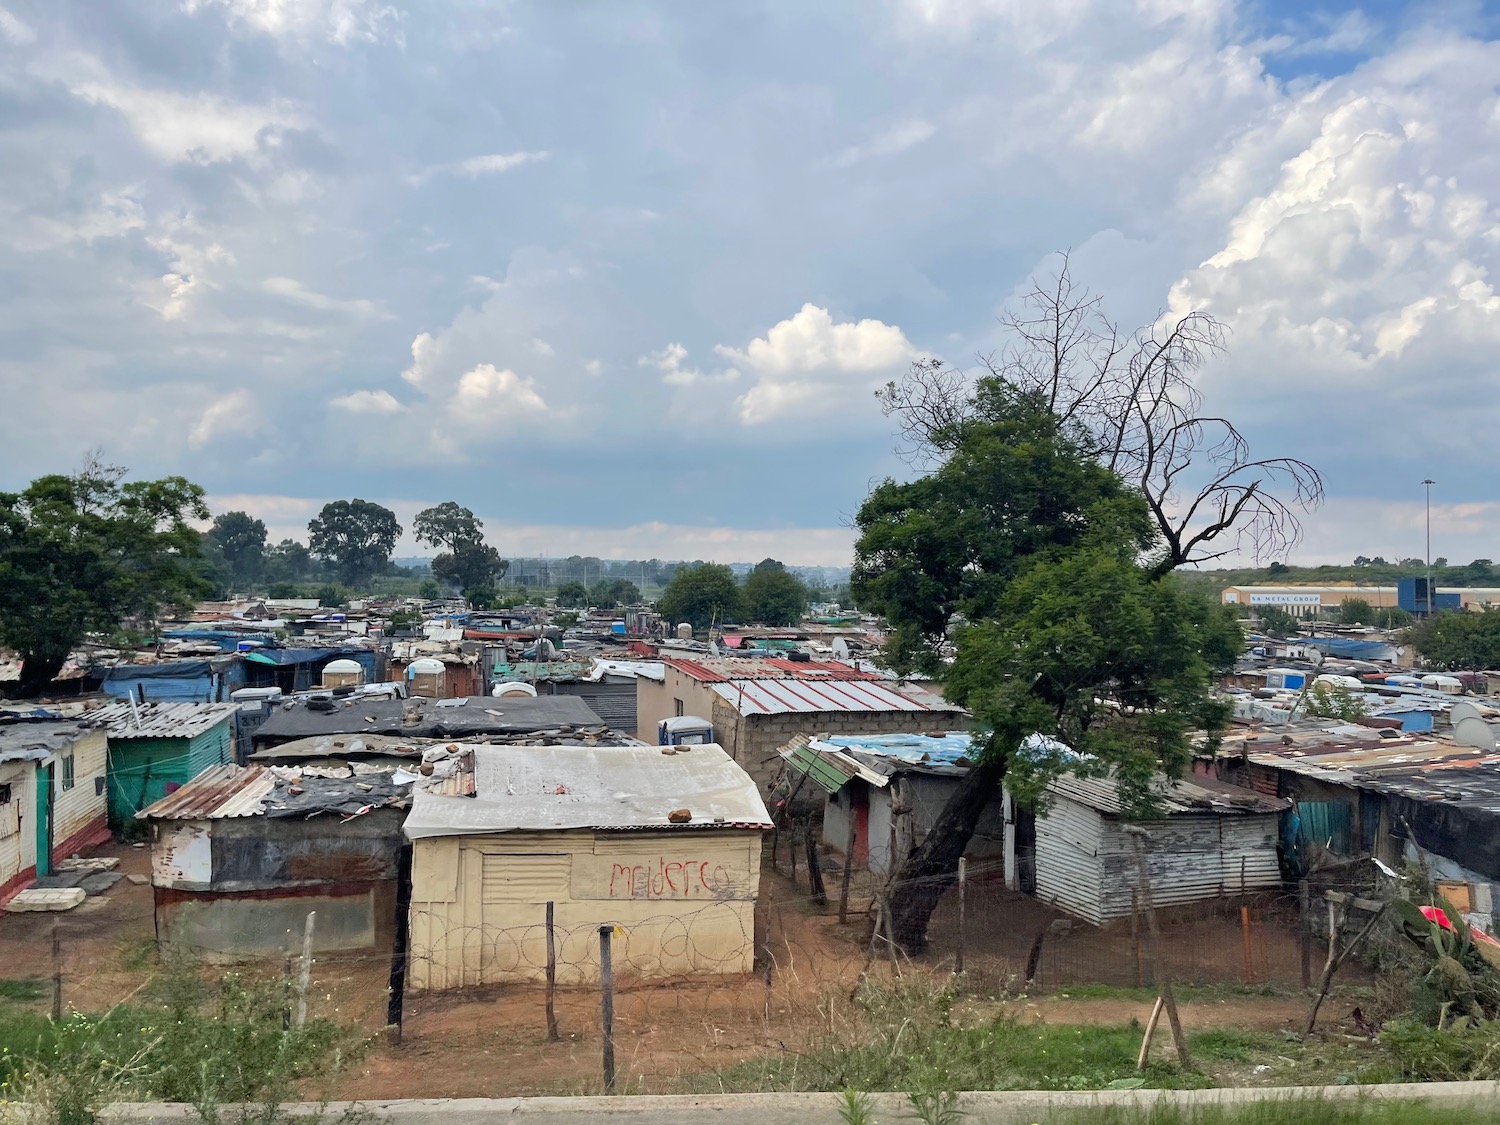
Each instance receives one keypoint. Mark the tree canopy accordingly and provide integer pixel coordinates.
(80, 554)
(1460, 641)
(701, 594)
(611, 593)
(357, 536)
(239, 539)
(1028, 562)
(773, 595)
(469, 563)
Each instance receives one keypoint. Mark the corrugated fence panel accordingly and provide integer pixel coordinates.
(1067, 859)
(1191, 859)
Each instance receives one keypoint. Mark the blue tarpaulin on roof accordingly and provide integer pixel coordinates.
(177, 681)
(1355, 650)
(285, 656)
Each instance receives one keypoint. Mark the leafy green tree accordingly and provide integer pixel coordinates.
(1336, 702)
(1459, 641)
(573, 595)
(946, 546)
(240, 540)
(289, 561)
(80, 554)
(469, 563)
(357, 536)
(430, 590)
(1025, 553)
(1276, 570)
(701, 594)
(1356, 611)
(330, 597)
(1391, 617)
(1276, 621)
(775, 596)
(447, 525)
(614, 592)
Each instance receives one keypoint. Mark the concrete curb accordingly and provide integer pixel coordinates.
(1019, 1107)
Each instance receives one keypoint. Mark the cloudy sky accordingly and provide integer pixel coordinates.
(621, 277)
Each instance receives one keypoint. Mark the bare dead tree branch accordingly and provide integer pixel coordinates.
(1134, 402)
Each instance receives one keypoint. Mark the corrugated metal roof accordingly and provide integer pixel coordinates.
(33, 740)
(548, 788)
(1189, 795)
(827, 765)
(217, 793)
(724, 670)
(162, 720)
(786, 696)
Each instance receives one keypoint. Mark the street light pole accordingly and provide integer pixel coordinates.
(1427, 484)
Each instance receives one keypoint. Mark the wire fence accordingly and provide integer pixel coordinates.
(674, 993)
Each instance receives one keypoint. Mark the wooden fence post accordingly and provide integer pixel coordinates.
(395, 1005)
(304, 971)
(848, 871)
(1158, 969)
(57, 975)
(963, 880)
(1304, 926)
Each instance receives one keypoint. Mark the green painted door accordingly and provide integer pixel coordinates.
(44, 821)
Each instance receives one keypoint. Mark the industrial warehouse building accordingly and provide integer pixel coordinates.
(663, 845)
(1409, 594)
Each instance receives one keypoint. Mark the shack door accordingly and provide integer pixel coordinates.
(44, 799)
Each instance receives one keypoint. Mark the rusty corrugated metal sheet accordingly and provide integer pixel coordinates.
(215, 794)
(162, 720)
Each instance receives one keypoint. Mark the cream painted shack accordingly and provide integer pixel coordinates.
(662, 843)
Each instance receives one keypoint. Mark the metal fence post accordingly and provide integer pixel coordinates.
(395, 1004)
(552, 1035)
(607, 1004)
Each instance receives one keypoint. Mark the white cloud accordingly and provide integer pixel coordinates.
(424, 353)
(294, 291)
(486, 393)
(367, 402)
(1369, 252)
(808, 363)
(234, 413)
(594, 367)
(191, 257)
(897, 139)
(337, 21)
(542, 348)
(199, 128)
(14, 30)
(476, 166)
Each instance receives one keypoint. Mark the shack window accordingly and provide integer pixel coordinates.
(69, 777)
(677, 708)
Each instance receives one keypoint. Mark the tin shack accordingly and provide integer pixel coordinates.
(663, 844)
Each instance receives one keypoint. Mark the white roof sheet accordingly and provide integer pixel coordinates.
(545, 788)
(785, 696)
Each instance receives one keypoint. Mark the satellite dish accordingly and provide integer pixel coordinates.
(1474, 732)
(1463, 709)
(840, 648)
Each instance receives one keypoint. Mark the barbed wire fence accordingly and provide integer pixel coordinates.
(694, 989)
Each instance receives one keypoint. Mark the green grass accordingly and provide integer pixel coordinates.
(1005, 1054)
(1182, 991)
(22, 990)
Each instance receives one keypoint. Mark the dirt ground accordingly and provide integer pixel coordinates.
(494, 1042)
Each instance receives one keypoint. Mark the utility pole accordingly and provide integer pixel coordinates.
(1427, 484)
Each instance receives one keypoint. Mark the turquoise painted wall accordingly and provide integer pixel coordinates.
(140, 769)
